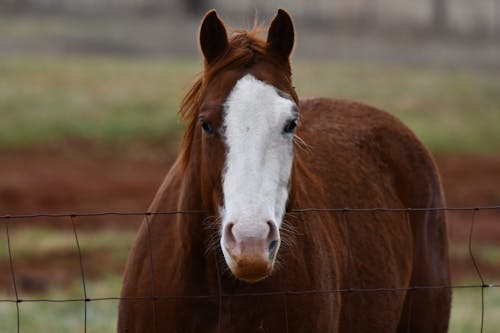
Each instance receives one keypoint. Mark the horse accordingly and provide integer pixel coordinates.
(251, 229)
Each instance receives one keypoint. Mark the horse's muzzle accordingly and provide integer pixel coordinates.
(250, 249)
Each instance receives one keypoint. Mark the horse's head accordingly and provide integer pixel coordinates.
(247, 113)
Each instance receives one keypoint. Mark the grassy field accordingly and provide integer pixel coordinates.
(119, 100)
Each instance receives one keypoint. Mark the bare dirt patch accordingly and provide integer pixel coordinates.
(83, 180)
(470, 179)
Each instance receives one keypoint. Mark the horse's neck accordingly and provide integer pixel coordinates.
(184, 235)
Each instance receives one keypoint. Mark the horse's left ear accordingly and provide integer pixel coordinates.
(281, 35)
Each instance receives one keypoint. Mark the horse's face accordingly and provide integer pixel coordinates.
(253, 121)
(258, 135)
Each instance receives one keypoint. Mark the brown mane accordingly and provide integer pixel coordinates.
(246, 49)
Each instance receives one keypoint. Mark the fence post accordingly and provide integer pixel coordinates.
(369, 13)
(496, 19)
(439, 15)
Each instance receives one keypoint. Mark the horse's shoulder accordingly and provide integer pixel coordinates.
(376, 139)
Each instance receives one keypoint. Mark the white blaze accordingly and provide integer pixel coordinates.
(259, 157)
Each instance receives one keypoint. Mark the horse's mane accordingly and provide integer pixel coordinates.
(246, 48)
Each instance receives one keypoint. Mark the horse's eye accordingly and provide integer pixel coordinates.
(206, 127)
(290, 126)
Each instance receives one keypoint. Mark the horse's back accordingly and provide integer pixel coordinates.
(363, 157)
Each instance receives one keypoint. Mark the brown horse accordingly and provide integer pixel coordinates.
(253, 259)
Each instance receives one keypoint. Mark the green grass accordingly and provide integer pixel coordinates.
(102, 315)
(484, 252)
(113, 100)
(99, 99)
(466, 311)
(52, 241)
(48, 317)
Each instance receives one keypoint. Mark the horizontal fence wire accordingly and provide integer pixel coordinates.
(220, 296)
(295, 210)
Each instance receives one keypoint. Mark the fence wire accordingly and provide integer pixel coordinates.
(220, 296)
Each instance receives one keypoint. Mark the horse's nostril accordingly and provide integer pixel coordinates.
(229, 236)
(273, 246)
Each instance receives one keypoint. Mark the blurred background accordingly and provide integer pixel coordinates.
(89, 92)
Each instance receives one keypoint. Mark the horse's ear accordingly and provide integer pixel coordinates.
(213, 36)
(281, 35)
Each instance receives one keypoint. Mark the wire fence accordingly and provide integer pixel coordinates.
(9, 220)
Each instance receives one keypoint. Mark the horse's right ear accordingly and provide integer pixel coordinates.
(213, 37)
(281, 35)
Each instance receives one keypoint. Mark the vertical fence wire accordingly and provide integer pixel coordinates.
(349, 294)
(154, 297)
(13, 275)
(476, 266)
(82, 273)
(219, 304)
(410, 291)
(285, 295)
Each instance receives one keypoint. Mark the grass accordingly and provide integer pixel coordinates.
(485, 252)
(113, 100)
(102, 315)
(100, 99)
(466, 311)
(52, 241)
(47, 317)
